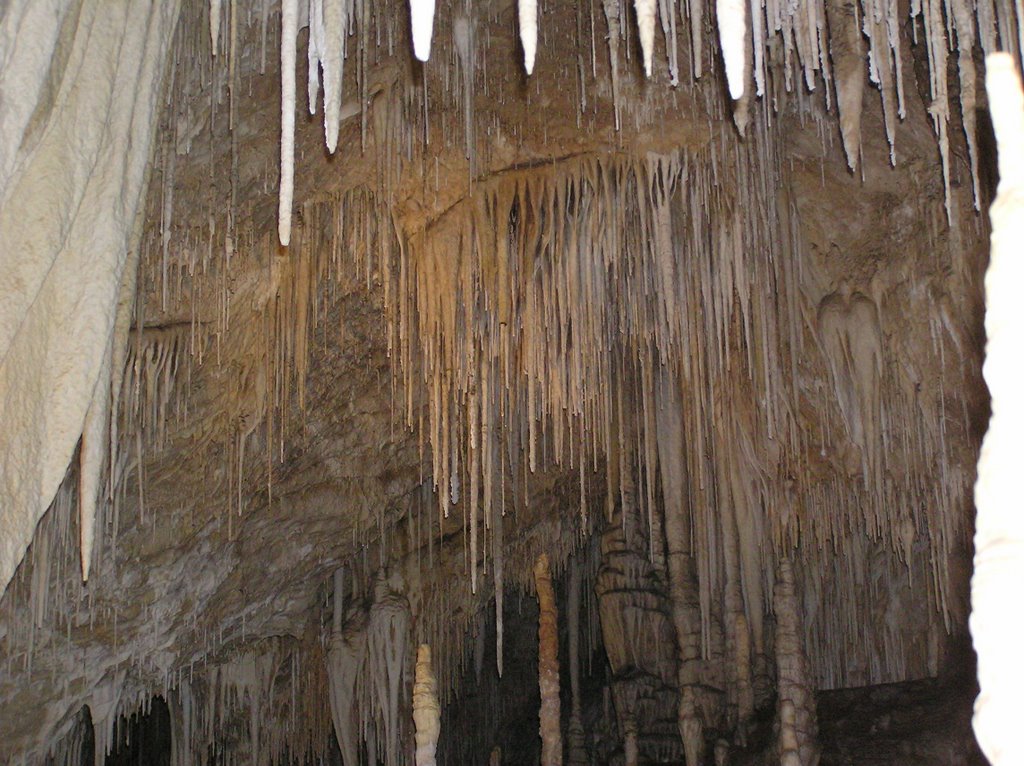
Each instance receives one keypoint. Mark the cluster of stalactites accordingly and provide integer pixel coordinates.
(837, 41)
(531, 360)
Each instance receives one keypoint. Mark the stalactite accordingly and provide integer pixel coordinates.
(387, 640)
(336, 15)
(645, 11)
(964, 23)
(732, 31)
(547, 666)
(289, 30)
(528, 32)
(315, 51)
(426, 712)
(421, 14)
(999, 528)
(214, 25)
(94, 449)
(611, 15)
(846, 47)
(346, 660)
(103, 707)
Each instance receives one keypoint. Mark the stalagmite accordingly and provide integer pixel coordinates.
(577, 741)
(547, 666)
(289, 30)
(426, 711)
(645, 12)
(422, 17)
(682, 580)
(528, 32)
(498, 542)
(997, 627)
(630, 745)
(798, 727)
(732, 33)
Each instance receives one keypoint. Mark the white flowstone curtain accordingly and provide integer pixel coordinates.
(79, 91)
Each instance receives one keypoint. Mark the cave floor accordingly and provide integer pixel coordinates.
(907, 724)
(915, 723)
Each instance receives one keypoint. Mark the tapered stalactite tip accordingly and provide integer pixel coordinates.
(422, 16)
(528, 32)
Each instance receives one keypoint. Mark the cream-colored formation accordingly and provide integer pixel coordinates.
(997, 622)
(76, 131)
(426, 710)
(547, 665)
(289, 30)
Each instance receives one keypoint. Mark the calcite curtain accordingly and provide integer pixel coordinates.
(79, 90)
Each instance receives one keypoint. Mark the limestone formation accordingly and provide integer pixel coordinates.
(684, 298)
(547, 668)
(426, 711)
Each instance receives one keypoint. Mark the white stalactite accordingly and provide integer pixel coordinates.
(422, 16)
(426, 711)
(289, 30)
(214, 25)
(314, 51)
(732, 33)
(336, 13)
(645, 12)
(997, 626)
(94, 448)
(528, 32)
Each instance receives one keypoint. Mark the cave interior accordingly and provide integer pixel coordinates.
(585, 381)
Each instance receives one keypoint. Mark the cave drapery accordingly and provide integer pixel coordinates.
(701, 283)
